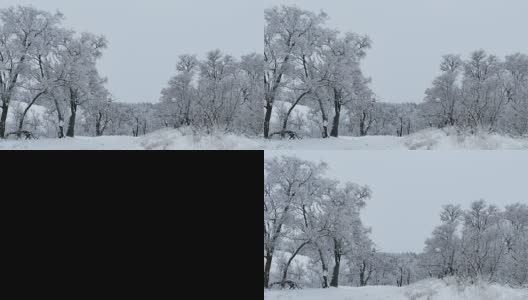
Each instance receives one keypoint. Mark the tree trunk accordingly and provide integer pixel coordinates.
(337, 116)
(98, 120)
(325, 129)
(362, 274)
(451, 265)
(105, 125)
(21, 125)
(400, 130)
(451, 118)
(325, 269)
(294, 104)
(136, 131)
(30, 104)
(267, 119)
(399, 281)
(71, 123)
(267, 268)
(285, 273)
(61, 128)
(337, 260)
(325, 119)
(367, 277)
(60, 117)
(285, 125)
(363, 129)
(3, 119)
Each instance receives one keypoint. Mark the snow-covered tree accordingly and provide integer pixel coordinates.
(309, 214)
(82, 82)
(307, 61)
(179, 97)
(442, 252)
(445, 95)
(515, 267)
(285, 179)
(217, 93)
(516, 120)
(482, 92)
(345, 227)
(43, 63)
(480, 243)
(286, 30)
(25, 32)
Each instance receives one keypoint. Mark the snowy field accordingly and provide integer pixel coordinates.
(176, 140)
(78, 143)
(424, 290)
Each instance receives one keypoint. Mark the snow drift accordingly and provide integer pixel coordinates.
(433, 289)
(449, 139)
(185, 139)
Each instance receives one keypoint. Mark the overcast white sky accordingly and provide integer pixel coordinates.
(411, 36)
(409, 188)
(146, 37)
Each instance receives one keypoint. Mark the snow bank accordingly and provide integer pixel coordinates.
(171, 139)
(433, 289)
(449, 139)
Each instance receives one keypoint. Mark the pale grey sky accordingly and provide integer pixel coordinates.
(409, 188)
(411, 36)
(146, 37)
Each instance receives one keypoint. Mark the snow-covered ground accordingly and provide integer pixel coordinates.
(78, 143)
(168, 139)
(433, 139)
(160, 140)
(184, 139)
(424, 290)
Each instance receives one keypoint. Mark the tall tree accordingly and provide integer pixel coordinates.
(180, 95)
(444, 96)
(22, 30)
(285, 179)
(343, 213)
(82, 82)
(443, 248)
(285, 30)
